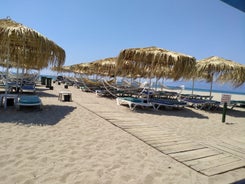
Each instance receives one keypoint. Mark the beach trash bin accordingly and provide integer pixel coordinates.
(10, 102)
(67, 98)
(66, 86)
(43, 80)
(48, 82)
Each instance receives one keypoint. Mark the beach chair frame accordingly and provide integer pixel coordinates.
(133, 102)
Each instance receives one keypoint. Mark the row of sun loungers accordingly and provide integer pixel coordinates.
(136, 97)
(133, 102)
(202, 103)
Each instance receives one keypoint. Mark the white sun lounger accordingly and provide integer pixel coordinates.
(157, 103)
(133, 102)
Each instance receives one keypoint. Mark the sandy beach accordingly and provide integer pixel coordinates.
(93, 140)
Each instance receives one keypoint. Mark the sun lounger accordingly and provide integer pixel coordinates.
(194, 96)
(202, 104)
(133, 102)
(157, 103)
(237, 103)
(27, 100)
(28, 88)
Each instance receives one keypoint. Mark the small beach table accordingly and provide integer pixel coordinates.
(10, 98)
(65, 96)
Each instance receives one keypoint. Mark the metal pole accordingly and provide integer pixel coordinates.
(192, 90)
(7, 73)
(224, 112)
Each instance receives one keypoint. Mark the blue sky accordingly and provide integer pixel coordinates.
(94, 29)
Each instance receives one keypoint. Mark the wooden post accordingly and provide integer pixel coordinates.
(224, 112)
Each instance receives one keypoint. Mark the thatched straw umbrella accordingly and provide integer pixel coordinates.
(82, 68)
(153, 62)
(150, 61)
(27, 47)
(104, 67)
(224, 70)
(235, 77)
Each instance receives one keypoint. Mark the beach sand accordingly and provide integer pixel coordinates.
(92, 140)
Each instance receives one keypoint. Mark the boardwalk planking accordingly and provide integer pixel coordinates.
(206, 159)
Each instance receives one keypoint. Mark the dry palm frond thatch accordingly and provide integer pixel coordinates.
(27, 47)
(154, 62)
(224, 70)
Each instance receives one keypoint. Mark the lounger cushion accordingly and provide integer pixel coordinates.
(29, 99)
(31, 87)
(131, 99)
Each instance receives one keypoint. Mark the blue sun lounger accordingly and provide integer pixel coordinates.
(172, 103)
(28, 88)
(29, 100)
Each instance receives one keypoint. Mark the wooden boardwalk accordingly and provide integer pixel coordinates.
(205, 158)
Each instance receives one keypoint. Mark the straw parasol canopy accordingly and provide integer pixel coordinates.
(104, 66)
(155, 62)
(236, 77)
(27, 47)
(82, 68)
(224, 70)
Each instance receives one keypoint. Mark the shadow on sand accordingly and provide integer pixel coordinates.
(238, 112)
(186, 112)
(49, 115)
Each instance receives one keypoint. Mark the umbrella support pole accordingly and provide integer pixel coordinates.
(7, 73)
(224, 112)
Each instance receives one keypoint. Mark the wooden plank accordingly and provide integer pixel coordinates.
(119, 122)
(130, 125)
(150, 128)
(122, 119)
(180, 148)
(170, 143)
(162, 134)
(204, 164)
(232, 149)
(129, 122)
(136, 125)
(112, 114)
(207, 159)
(144, 133)
(146, 129)
(154, 133)
(159, 136)
(223, 168)
(195, 154)
(165, 142)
